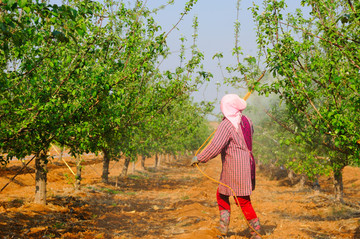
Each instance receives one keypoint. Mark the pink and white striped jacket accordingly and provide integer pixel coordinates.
(236, 157)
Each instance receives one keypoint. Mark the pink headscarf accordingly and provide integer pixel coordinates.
(232, 106)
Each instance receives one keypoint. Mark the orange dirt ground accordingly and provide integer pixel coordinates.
(173, 201)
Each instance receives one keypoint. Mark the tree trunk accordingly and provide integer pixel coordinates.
(302, 181)
(125, 167)
(78, 172)
(186, 153)
(133, 166)
(182, 155)
(291, 176)
(316, 184)
(174, 156)
(338, 185)
(143, 158)
(40, 179)
(159, 160)
(156, 161)
(271, 167)
(106, 162)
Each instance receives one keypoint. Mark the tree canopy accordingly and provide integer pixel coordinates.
(313, 53)
(86, 74)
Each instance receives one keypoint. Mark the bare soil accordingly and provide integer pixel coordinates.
(171, 201)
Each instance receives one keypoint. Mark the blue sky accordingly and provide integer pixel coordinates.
(216, 34)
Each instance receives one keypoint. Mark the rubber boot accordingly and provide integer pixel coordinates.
(224, 222)
(255, 224)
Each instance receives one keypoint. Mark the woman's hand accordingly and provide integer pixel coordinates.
(194, 161)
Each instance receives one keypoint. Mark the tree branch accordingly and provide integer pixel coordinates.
(323, 39)
(352, 6)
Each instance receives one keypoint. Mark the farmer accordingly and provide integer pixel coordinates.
(233, 139)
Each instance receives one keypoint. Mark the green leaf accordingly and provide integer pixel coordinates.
(10, 3)
(22, 3)
(27, 9)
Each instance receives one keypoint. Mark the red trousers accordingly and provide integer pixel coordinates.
(244, 201)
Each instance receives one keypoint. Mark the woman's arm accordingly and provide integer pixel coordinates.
(220, 140)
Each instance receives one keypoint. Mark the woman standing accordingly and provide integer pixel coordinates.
(233, 140)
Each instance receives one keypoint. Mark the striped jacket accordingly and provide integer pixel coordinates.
(236, 157)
